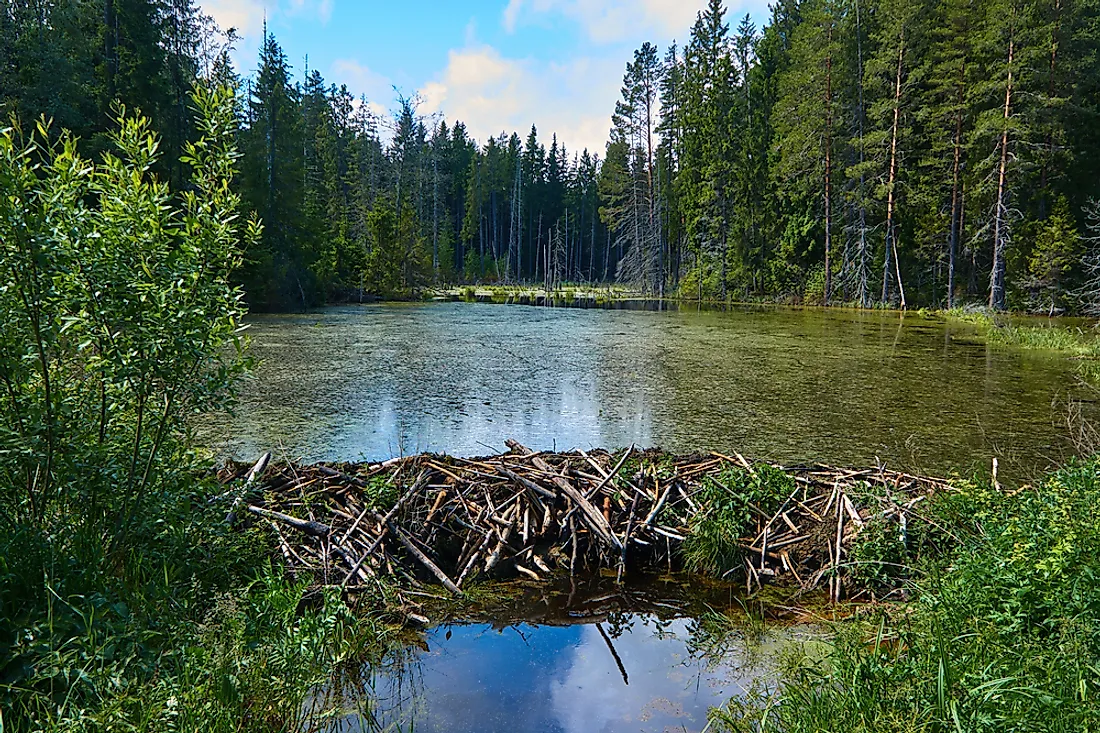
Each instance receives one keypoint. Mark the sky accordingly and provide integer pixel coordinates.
(496, 65)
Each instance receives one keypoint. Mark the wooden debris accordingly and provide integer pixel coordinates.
(575, 512)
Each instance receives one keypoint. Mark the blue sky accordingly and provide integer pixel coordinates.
(497, 65)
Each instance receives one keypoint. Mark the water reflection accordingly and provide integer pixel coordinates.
(794, 385)
(634, 673)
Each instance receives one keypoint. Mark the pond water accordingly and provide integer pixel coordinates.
(844, 387)
(604, 669)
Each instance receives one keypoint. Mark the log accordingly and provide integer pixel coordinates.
(424, 560)
(314, 529)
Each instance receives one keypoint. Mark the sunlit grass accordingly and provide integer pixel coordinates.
(1004, 634)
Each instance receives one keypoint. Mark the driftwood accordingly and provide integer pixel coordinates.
(537, 514)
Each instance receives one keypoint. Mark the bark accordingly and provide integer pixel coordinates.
(828, 168)
(891, 230)
(862, 287)
(956, 192)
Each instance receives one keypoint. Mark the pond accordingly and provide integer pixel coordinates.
(589, 659)
(794, 385)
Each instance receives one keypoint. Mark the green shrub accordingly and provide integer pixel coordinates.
(729, 502)
(126, 602)
(1004, 634)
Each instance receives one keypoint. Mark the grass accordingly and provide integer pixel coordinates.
(1004, 634)
(1073, 341)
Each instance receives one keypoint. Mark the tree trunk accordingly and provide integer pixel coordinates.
(891, 234)
(864, 293)
(956, 195)
(1000, 220)
(828, 168)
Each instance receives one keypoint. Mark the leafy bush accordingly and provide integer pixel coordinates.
(125, 600)
(730, 501)
(118, 319)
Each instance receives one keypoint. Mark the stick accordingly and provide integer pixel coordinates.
(420, 481)
(607, 476)
(257, 469)
(431, 566)
(315, 529)
(528, 483)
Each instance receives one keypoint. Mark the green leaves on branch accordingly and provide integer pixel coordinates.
(118, 318)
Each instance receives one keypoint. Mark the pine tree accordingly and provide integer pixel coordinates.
(806, 118)
(275, 274)
(705, 179)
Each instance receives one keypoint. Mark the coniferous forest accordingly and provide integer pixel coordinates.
(927, 153)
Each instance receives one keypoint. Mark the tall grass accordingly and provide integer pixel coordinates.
(1073, 341)
(1004, 634)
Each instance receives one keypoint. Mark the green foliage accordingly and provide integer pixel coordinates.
(126, 602)
(879, 556)
(1055, 256)
(873, 136)
(1004, 634)
(119, 317)
(729, 502)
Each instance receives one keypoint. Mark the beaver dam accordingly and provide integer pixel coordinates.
(447, 520)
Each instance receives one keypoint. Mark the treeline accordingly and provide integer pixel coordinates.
(902, 152)
(868, 152)
(354, 204)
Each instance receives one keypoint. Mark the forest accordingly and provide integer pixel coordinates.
(185, 546)
(864, 152)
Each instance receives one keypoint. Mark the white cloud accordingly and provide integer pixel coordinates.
(362, 80)
(247, 16)
(492, 94)
(669, 688)
(607, 21)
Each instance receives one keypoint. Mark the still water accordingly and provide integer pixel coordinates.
(603, 669)
(375, 381)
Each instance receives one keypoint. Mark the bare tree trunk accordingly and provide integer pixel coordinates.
(891, 234)
(435, 213)
(864, 293)
(1001, 232)
(956, 195)
(828, 168)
